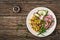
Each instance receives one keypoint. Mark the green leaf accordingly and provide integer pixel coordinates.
(26, 34)
(52, 20)
(19, 26)
(42, 29)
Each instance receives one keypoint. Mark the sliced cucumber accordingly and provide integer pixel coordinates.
(36, 15)
(42, 12)
(46, 12)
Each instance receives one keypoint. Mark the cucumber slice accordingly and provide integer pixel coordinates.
(36, 15)
(46, 12)
(42, 12)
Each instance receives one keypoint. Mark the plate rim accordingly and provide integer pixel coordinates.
(48, 9)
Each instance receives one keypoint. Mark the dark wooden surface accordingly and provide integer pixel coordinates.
(9, 20)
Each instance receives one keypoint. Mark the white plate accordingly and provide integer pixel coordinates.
(49, 31)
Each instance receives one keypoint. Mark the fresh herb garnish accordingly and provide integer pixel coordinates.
(26, 34)
(19, 26)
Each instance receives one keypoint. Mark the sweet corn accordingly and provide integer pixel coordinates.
(35, 23)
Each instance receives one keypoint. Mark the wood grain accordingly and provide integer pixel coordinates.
(9, 20)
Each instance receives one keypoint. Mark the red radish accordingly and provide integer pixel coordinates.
(41, 17)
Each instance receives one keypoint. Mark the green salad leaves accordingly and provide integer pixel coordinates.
(42, 30)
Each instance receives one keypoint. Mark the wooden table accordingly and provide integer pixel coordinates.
(9, 20)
